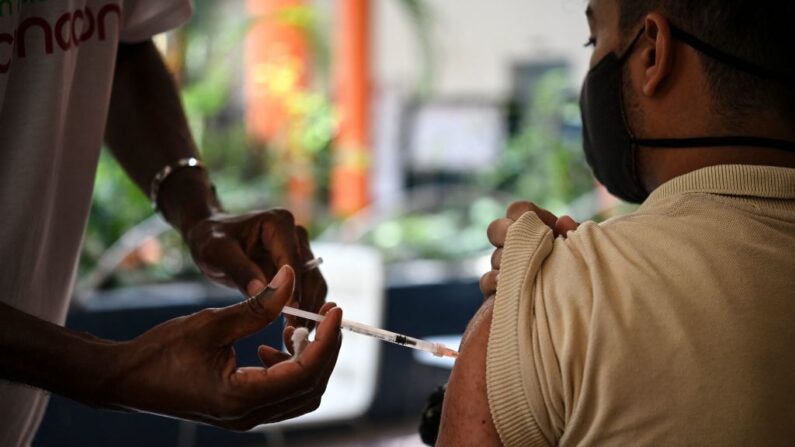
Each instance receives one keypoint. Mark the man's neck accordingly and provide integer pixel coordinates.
(657, 166)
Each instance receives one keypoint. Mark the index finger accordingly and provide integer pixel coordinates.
(280, 240)
(298, 377)
(326, 342)
(497, 231)
(314, 286)
(517, 209)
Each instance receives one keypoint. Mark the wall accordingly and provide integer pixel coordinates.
(476, 42)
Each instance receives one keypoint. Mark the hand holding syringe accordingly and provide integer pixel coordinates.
(436, 349)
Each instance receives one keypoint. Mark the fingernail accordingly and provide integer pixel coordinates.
(280, 279)
(255, 287)
(331, 305)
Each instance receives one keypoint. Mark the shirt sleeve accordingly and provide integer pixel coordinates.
(142, 19)
(515, 381)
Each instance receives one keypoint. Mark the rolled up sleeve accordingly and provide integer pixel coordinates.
(514, 385)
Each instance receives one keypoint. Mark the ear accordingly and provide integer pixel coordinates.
(657, 55)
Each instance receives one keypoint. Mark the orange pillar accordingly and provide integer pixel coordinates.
(276, 66)
(277, 73)
(349, 179)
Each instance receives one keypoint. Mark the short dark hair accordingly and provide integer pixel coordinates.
(757, 31)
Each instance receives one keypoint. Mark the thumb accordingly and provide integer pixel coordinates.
(249, 316)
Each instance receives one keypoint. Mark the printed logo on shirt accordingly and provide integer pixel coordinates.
(63, 33)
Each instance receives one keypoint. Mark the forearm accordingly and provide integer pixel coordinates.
(147, 130)
(47, 356)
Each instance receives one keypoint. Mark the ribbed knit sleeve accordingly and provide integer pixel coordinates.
(528, 244)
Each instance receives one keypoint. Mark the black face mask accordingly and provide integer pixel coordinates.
(611, 148)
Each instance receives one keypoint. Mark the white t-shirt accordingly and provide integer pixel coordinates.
(56, 70)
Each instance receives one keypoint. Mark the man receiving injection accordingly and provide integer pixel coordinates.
(673, 325)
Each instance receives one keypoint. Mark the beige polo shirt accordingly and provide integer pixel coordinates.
(674, 325)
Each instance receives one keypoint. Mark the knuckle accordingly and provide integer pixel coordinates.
(260, 309)
(255, 306)
(496, 229)
(183, 319)
(282, 218)
(520, 205)
(516, 209)
(205, 316)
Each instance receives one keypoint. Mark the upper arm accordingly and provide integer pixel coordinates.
(466, 418)
(506, 395)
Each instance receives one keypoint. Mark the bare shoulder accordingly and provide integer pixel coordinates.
(466, 419)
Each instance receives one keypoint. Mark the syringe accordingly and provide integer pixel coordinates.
(436, 349)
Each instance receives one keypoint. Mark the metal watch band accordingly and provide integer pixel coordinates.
(166, 171)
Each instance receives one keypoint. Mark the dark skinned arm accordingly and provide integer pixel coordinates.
(185, 367)
(147, 130)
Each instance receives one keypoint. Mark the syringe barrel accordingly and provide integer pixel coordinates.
(436, 349)
(370, 330)
(393, 337)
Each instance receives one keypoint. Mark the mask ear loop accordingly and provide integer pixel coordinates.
(631, 46)
(731, 140)
(624, 117)
(729, 59)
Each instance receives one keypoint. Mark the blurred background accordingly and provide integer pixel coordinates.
(396, 131)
